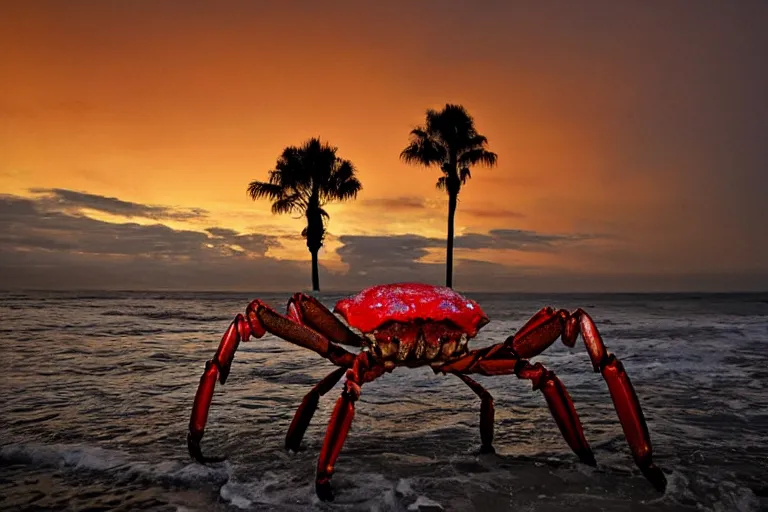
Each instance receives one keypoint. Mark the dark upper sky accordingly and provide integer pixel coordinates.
(630, 139)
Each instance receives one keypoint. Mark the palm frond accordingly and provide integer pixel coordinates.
(343, 170)
(260, 189)
(452, 126)
(342, 184)
(290, 169)
(423, 149)
(464, 175)
(286, 204)
(476, 140)
(478, 156)
(348, 189)
(442, 183)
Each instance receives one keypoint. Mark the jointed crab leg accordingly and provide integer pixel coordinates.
(537, 334)
(498, 360)
(289, 330)
(307, 409)
(545, 327)
(258, 320)
(216, 368)
(363, 370)
(309, 311)
(486, 414)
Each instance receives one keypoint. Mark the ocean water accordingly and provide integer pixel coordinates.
(97, 390)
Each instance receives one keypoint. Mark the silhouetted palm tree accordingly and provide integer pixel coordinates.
(449, 139)
(304, 180)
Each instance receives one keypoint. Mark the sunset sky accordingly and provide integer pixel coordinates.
(632, 140)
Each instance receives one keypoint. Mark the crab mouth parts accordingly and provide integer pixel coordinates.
(410, 343)
(418, 350)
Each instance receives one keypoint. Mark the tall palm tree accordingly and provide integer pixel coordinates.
(449, 139)
(303, 181)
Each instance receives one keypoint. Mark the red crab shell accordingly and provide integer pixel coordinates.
(408, 302)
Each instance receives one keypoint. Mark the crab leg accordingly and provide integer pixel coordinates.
(363, 370)
(486, 414)
(307, 409)
(217, 368)
(309, 311)
(258, 320)
(545, 327)
(290, 330)
(501, 362)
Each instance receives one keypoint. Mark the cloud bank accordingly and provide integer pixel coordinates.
(48, 242)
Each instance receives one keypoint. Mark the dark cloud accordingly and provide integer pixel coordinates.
(382, 259)
(37, 269)
(404, 251)
(491, 213)
(222, 232)
(250, 242)
(398, 251)
(397, 203)
(518, 239)
(70, 200)
(397, 257)
(37, 224)
(386, 259)
(42, 247)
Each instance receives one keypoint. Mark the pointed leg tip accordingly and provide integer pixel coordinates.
(655, 475)
(587, 457)
(324, 491)
(193, 444)
(487, 449)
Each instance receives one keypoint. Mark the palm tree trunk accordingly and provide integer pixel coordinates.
(449, 256)
(315, 276)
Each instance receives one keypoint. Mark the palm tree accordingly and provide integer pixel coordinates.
(303, 181)
(449, 139)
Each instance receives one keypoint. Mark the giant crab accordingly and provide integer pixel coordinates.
(413, 324)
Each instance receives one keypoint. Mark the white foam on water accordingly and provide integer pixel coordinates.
(736, 498)
(63, 455)
(230, 492)
(367, 491)
(270, 490)
(404, 487)
(731, 497)
(387, 502)
(94, 458)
